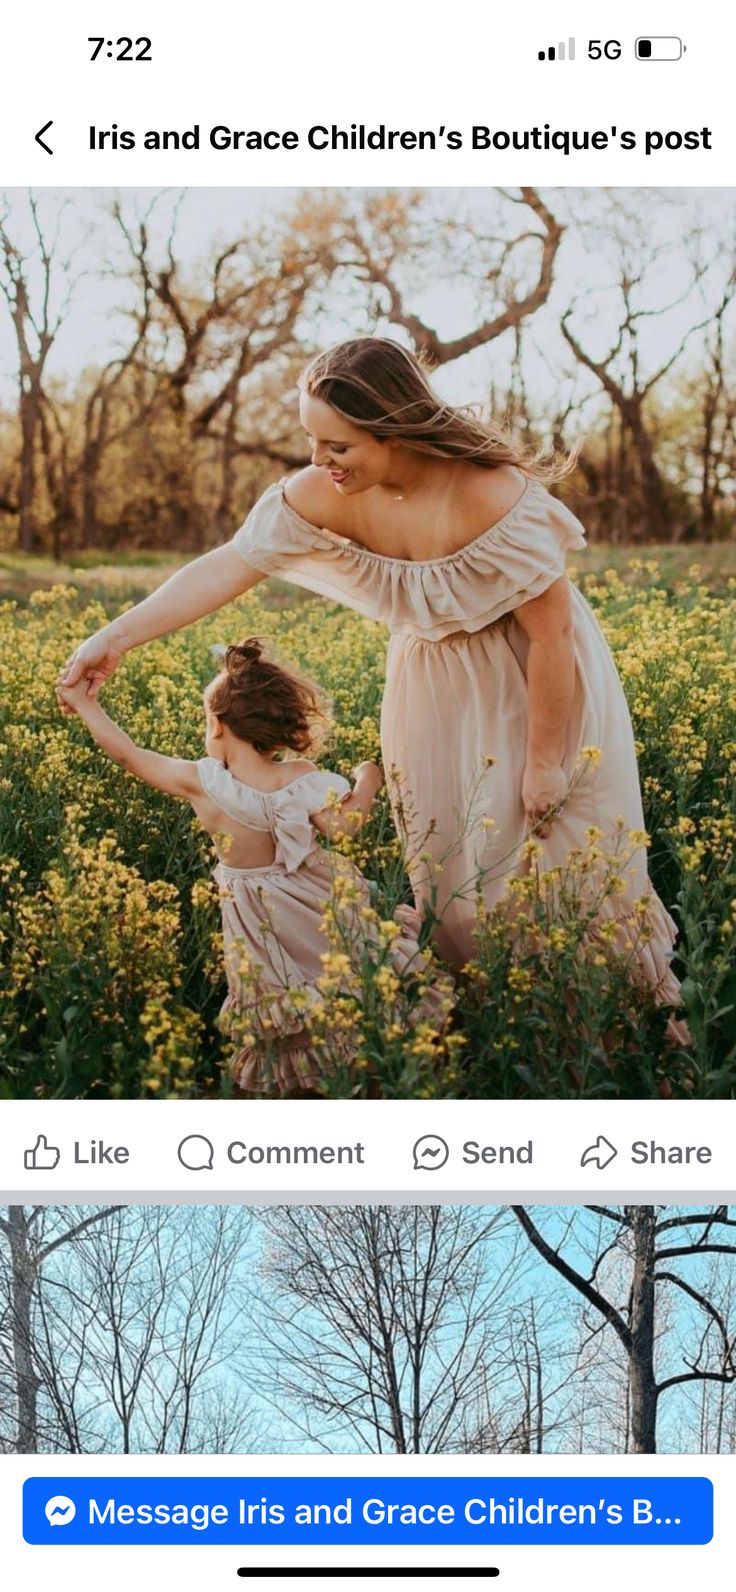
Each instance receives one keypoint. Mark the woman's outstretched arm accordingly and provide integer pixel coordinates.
(199, 588)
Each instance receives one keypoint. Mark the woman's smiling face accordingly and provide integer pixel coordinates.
(353, 459)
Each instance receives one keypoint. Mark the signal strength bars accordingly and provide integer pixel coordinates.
(558, 52)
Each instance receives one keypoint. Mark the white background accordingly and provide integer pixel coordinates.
(296, 64)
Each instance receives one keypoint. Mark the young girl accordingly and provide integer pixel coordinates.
(264, 815)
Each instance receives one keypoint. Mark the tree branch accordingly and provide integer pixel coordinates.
(607, 1310)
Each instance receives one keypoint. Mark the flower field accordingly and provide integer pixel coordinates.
(111, 973)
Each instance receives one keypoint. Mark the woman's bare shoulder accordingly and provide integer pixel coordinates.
(313, 496)
(488, 495)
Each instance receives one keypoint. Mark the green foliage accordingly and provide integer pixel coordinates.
(111, 978)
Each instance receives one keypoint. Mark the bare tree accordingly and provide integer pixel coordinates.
(651, 1242)
(30, 1248)
(719, 415)
(515, 1424)
(37, 282)
(111, 412)
(515, 277)
(382, 1321)
(628, 375)
(530, 1371)
(539, 1397)
(129, 1339)
(219, 329)
(117, 1327)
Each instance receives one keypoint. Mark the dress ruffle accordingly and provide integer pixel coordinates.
(515, 560)
(275, 940)
(294, 1065)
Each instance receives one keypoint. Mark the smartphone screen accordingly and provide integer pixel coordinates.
(367, 826)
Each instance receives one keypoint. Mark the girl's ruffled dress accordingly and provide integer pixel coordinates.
(273, 928)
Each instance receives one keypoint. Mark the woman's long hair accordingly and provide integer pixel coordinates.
(383, 388)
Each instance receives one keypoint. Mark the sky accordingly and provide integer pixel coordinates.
(579, 1233)
(584, 270)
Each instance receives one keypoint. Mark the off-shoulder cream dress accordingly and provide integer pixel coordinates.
(456, 696)
(273, 929)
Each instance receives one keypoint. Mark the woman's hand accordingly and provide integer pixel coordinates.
(92, 663)
(545, 785)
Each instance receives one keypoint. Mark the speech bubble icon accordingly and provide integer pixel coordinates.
(196, 1153)
(430, 1153)
(60, 1511)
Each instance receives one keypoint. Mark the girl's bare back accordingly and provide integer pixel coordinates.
(238, 844)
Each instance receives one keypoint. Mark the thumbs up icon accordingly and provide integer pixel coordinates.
(44, 1157)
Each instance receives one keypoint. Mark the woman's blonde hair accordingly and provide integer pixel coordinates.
(385, 389)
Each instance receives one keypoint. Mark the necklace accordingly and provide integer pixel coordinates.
(400, 497)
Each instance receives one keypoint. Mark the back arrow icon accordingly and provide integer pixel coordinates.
(39, 137)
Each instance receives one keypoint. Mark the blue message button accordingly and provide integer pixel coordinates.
(288, 1511)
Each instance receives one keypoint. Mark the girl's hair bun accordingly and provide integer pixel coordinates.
(241, 656)
(271, 706)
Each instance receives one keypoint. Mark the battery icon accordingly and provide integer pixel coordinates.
(659, 47)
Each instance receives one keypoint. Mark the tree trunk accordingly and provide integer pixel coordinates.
(539, 1442)
(655, 500)
(28, 424)
(707, 489)
(90, 468)
(23, 1278)
(642, 1383)
(224, 511)
(95, 426)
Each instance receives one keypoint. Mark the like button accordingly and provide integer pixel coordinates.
(44, 1157)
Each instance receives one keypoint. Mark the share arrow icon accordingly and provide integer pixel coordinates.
(599, 1154)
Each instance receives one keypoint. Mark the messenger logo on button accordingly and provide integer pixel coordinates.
(60, 1511)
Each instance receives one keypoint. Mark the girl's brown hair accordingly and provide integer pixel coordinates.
(273, 708)
(383, 388)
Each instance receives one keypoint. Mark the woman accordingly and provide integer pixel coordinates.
(498, 675)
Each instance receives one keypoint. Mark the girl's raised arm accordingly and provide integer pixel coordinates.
(175, 775)
(199, 588)
(354, 809)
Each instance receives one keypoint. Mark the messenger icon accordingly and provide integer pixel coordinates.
(430, 1153)
(60, 1511)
